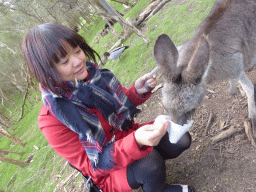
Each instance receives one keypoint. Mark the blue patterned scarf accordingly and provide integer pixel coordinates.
(102, 91)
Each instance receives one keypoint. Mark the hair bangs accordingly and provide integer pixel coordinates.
(61, 48)
(60, 51)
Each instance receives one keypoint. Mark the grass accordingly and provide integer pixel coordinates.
(179, 22)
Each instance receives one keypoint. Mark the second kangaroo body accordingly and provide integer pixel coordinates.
(222, 48)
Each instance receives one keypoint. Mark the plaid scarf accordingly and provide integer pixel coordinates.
(102, 91)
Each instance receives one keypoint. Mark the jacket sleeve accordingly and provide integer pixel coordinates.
(134, 97)
(66, 143)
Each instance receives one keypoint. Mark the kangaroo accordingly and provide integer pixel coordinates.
(222, 48)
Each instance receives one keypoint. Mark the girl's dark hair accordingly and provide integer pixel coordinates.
(44, 45)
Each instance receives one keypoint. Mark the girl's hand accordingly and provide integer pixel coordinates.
(139, 84)
(150, 135)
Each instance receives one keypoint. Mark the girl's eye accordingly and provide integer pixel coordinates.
(78, 51)
(65, 62)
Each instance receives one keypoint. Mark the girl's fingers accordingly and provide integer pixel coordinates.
(151, 134)
(160, 132)
(151, 84)
(166, 125)
(144, 77)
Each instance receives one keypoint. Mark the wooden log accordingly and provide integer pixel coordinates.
(147, 11)
(225, 134)
(157, 8)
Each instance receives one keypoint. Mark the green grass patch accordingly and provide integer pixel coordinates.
(38, 174)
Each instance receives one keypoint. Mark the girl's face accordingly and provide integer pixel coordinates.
(73, 66)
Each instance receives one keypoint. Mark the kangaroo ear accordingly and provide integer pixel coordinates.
(166, 56)
(198, 63)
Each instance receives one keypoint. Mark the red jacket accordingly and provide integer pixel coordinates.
(67, 144)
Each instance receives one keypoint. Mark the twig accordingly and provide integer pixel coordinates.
(225, 134)
(11, 180)
(78, 173)
(23, 104)
(63, 183)
(248, 131)
(211, 91)
(157, 87)
(208, 124)
(122, 2)
(63, 168)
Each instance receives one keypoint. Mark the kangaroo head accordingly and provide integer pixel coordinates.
(184, 88)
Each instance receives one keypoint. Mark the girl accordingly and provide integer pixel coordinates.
(87, 116)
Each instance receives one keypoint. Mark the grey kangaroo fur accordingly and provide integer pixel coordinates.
(222, 48)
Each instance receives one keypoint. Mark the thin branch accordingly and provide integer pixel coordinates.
(125, 3)
(225, 134)
(23, 104)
